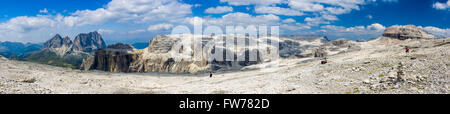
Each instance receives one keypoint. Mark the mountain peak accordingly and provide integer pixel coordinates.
(56, 42)
(88, 42)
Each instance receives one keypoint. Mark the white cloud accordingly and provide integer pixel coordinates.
(105, 31)
(163, 26)
(293, 27)
(197, 5)
(289, 20)
(238, 18)
(369, 16)
(315, 21)
(442, 6)
(25, 24)
(277, 11)
(43, 11)
(134, 11)
(250, 2)
(390, 0)
(356, 32)
(438, 32)
(219, 9)
(137, 31)
(122, 12)
(376, 27)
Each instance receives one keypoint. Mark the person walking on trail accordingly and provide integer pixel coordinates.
(406, 49)
(210, 74)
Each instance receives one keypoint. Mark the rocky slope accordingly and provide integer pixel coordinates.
(300, 46)
(164, 53)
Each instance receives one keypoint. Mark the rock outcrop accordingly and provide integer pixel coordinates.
(115, 58)
(161, 56)
(406, 32)
(300, 46)
(175, 54)
(88, 42)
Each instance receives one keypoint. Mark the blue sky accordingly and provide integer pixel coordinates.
(138, 21)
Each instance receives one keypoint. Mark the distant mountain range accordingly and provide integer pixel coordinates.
(17, 49)
(59, 51)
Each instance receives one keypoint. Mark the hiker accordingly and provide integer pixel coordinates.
(407, 49)
(210, 74)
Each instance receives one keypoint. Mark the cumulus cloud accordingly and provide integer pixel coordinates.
(163, 26)
(278, 11)
(250, 2)
(356, 32)
(135, 11)
(238, 18)
(25, 24)
(127, 12)
(289, 20)
(219, 9)
(442, 6)
(438, 32)
(105, 31)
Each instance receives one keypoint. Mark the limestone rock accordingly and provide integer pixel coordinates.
(406, 32)
(57, 42)
(114, 59)
(59, 45)
(88, 42)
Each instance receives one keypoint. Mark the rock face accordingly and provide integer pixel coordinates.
(59, 45)
(165, 54)
(115, 58)
(406, 32)
(57, 42)
(161, 44)
(88, 42)
(160, 56)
